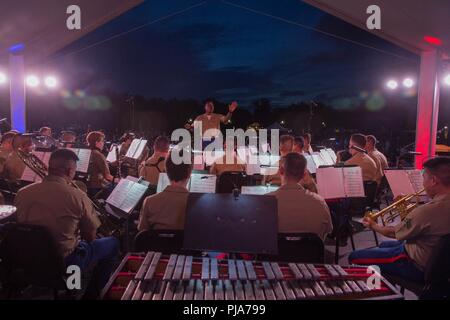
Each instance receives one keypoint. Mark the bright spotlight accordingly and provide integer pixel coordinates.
(51, 82)
(392, 84)
(447, 80)
(32, 81)
(408, 83)
(2, 78)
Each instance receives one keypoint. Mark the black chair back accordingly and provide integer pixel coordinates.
(165, 241)
(30, 256)
(298, 247)
(228, 181)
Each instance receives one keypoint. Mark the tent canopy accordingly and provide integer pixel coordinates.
(403, 22)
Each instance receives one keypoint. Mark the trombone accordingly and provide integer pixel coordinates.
(107, 227)
(400, 208)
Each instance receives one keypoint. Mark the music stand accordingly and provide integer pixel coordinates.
(224, 222)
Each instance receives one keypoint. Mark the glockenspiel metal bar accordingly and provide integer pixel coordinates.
(170, 290)
(232, 273)
(248, 290)
(144, 266)
(279, 293)
(268, 291)
(140, 290)
(268, 271)
(345, 288)
(153, 265)
(214, 269)
(314, 272)
(229, 292)
(304, 270)
(190, 290)
(336, 288)
(149, 290)
(209, 290)
(297, 274)
(250, 270)
(129, 290)
(340, 270)
(299, 294)
(187, 269)
(160, 289)
(277, 271)
(170, 267)
(331, 271)
(290, 295)
(241, 270)
(352, 284)
(205, 269)
(258, 289)
(179, 291)
(363, 286)
(178, 273)
(219, 293)
(238, 290)
(199, 290)
(326, 288)
(317, 289)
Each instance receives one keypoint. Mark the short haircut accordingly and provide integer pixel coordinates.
(307, 137)
(60, 160)
(68, 136)
(41, 130)
(299, 141)
(439, 167)
(287, 141)
(161, 144)
(8, 136)
(294, 165)
(127, 136)
(359, 139)
(177, 172)
(371, 139)
(94, 137)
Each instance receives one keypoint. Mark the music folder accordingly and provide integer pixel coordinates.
(340, 182)
(404, 182)
(84, 156)
(223, 222)
(198, 183)
(29, 175)
(136, 149)
(112, 155)
(127, 194)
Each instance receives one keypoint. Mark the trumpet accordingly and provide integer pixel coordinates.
(400, 208)
(107, 227)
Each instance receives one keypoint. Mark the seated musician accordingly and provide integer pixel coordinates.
(125, 143)
(68, 139)
(6, 148)
(156, 164)
(377, 156)
(229, 162)
(167, 210)
(418, 234)
(99, 175)
(307, 148)
(69, 214)
(287, 144)
(45, 131)
(361, 159)
(299, 210)
(299, 144)
(14, 166)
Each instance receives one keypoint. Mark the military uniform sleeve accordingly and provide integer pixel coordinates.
(411, 227)
(143, 220)
(89, 221)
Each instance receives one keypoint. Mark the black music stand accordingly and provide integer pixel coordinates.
(230, 223)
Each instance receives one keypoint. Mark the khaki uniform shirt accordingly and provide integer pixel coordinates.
(14, 168)
(65, 210)
(300, 210)
(165, 210)
(381, 162)
(368, 166)
(98, 169)
(151, 169)
(211, 121)
(220, 166)
(423, 228)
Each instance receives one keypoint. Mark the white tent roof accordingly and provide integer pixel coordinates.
(41, 24)
(403, 22)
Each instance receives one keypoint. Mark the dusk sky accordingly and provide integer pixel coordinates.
(228, 52)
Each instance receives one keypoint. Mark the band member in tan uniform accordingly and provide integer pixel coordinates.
(156, 164)
(379, 158)
(14, 166)
(99, 174)
(361, 159)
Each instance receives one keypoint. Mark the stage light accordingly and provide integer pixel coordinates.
(392, 84)
(32, 81)
(51, 82)
(408, 83)
(433, 40)
(2, 78)
(447, 80)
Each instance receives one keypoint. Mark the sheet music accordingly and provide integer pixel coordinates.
(310, 164)
(416, 178)
(318, 159)
(202, 183)
(84, 156)
(163, 182)
(404, 182)
(332, 154)
(28, 174)
(112, 155)
(326, 157)
(353, 182)
(258, 190)
(330, 183)
(136, 148)
(126, 195)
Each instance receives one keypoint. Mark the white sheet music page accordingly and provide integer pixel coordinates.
(332, 155)
(202, 183)
(399, 182)
(126, 195)
(353, 182)
(330, 183)
(318, 159)
(416, 178)
(136, 148)
(84, 156)
(326, 157)
(310, 164)
(119, 194)
(258, 190)
(163, 182)
(112, 155)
